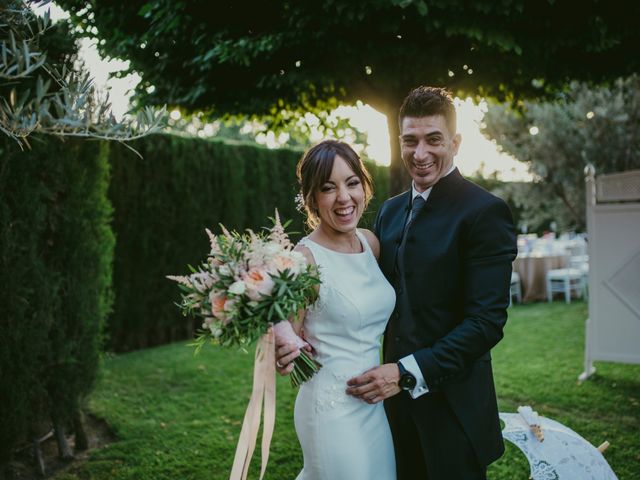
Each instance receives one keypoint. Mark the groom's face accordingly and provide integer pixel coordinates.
(427, 148)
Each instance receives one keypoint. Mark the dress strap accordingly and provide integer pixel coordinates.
(316, 252)
(364, 241)
(319, 256)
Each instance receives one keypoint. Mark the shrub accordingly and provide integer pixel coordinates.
(165, 200)
(56, 251)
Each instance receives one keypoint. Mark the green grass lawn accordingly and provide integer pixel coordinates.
(177, 416)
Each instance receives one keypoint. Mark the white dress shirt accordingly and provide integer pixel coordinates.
(409, 362)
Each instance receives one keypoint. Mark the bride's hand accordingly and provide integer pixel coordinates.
(287, 352)
(285, 355)
(376, 384)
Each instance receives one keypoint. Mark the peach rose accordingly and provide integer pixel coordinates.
(218, 303)
(258, 283)
(292, 261)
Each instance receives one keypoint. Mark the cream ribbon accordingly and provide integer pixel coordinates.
(264, 391)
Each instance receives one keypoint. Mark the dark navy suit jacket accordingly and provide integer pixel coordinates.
(457, 265)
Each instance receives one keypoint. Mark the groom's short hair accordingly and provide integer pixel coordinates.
(426, 101)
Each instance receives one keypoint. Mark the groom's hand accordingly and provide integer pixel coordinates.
(376, 384)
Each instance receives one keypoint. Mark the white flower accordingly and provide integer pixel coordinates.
(237, 288)
(208, 321)
(224, 270)
(216, 332)
(213, 326)
(272, 248)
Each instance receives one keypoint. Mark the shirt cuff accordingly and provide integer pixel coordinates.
(410, 364)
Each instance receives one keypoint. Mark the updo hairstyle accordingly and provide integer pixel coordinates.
(314, 170)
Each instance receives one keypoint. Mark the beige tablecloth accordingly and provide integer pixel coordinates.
(533, 271)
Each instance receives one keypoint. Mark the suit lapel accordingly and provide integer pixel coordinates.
(394, 231)
(439, 196)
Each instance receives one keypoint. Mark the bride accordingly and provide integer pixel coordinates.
(342, 437)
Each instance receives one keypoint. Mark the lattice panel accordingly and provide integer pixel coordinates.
(618, 187)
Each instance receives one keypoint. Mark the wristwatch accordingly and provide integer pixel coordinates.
(407, 380)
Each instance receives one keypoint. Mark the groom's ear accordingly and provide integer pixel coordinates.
(457, 140)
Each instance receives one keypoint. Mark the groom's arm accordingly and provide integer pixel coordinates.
(411, 365)
(382, 382)
(489, 250)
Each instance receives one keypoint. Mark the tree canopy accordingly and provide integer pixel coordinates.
(558, 140)
(274, 59)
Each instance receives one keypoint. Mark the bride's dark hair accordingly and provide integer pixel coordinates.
(314, 170)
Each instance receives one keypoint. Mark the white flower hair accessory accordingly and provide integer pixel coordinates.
(299, 199)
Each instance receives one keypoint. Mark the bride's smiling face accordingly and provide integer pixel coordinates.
(340, 200)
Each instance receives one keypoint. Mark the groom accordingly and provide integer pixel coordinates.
(446, 246)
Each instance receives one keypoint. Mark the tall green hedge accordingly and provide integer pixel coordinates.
(56, 251)
(164, 201)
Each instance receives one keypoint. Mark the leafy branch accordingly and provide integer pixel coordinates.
(55, 101)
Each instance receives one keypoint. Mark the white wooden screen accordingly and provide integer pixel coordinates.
(613, 227)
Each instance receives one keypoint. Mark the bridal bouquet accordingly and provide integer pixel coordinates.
(248, 283)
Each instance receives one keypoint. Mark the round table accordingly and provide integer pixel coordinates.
(533, 272)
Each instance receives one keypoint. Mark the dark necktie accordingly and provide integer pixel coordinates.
(416, 205)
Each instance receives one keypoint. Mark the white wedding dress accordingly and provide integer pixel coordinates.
(342, 437)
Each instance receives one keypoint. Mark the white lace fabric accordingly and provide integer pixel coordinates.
(563, 455)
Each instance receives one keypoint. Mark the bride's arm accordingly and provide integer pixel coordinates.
(287, 351)
(298, 323)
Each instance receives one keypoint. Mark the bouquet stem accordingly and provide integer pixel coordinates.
(304, 367)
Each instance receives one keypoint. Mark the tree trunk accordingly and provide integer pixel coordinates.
(37, 453)
(577, 218)
(64, 451)
(82, 442)
(399, 178)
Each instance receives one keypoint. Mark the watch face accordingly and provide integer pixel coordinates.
(407, 381)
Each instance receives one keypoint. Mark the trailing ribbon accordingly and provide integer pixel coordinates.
(264, 391)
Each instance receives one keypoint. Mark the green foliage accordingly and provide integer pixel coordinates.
(179, 416)
(56, 251)
(587, 125)
(163, 203)
(43, 87)
(210, 57)
(82, 251)
(274, 58)
(297, 134)
(381, 192)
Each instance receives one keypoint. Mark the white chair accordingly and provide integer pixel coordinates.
(515, 288)
(581, 262)
(565, 280)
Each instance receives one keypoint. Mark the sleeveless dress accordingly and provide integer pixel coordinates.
(342, 437)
